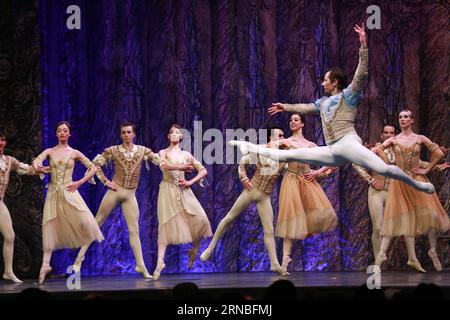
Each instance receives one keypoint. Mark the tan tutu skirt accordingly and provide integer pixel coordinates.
(181, 217)
(68, 222)
(409, 212)
(304, 209)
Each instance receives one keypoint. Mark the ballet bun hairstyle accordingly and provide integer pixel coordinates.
(176, 126)
(411, 114)
(66, 123)
(302, 117)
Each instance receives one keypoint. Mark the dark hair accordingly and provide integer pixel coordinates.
(388, 125)
(174, 125)
(302, 117)
(271, 131)
(177, 126)
(128, 124)
(66, 123)
(2, 134)
(338, 75)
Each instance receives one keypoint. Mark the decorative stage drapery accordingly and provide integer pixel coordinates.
(223, 63)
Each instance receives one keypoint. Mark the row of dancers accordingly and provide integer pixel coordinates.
(304, 207)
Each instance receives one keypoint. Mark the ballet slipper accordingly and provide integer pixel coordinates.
(284, 265)
(206, 254)
(434, 257)
(278, 269)
(143, 270)
(425, 187)
(242, 145)
(381, 258)
(159, 268)
(11, 277)
(76, 267)
(416, 265)
(43, 273)
(192, 254)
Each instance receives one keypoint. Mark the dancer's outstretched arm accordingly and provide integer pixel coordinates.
(353, 93)
(153, 157)
(302, 108)
(25, 169)
(362, 71)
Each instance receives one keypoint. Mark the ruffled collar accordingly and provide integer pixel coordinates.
(126, 153)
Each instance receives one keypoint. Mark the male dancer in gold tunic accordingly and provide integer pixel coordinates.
(9, 164)
(257, 190)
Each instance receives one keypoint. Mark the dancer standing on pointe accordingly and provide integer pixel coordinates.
(181, 218)
(338, 111)
(127, 158)
(410, 213)
(67, 220)
(9, 164)
(256, 190)
(304, 208)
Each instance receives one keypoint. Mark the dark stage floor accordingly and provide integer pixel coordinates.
(217, 285)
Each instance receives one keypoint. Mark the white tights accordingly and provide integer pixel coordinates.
(347, 149)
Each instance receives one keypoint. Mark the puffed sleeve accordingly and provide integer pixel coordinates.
(89, 165)
(99, 161)
(436, 153)
(22, 168)
(302, 108)
(149, 155)
(243, 166)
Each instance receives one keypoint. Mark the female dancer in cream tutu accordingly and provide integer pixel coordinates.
(67, 221)
(304, 208)
(410, 213)
(181, 217)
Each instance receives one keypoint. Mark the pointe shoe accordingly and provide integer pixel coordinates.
(206, 255)
(192, 256)
(278, 269)
(157, 272)
(11, 277)
(76, 267)
(44, 271)
(426, 187)
(380, 259)
(434, 257)
(416, 265)
(144, 272)
(242, 145)
(284, 265)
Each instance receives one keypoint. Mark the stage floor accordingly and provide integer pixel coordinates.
(218, 284)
